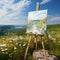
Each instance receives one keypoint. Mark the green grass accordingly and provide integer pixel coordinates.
(16, 44)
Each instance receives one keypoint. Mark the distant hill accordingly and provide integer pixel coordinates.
(53, 27)
(21, 28)
(11, 28)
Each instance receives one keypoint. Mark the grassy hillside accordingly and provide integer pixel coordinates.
(13, 45)
(54, 30)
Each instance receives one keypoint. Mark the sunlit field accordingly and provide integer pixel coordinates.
(13, 44)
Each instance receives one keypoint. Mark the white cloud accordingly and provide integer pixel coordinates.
(45, 1)
(2, 12)
(10, 10)
(55, 18)
(19, 20)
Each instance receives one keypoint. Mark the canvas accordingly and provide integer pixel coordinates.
(37, 22)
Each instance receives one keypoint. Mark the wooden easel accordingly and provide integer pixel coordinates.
(42, 38)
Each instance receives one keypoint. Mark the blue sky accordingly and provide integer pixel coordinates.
(15, 12)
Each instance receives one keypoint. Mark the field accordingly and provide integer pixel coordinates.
(13, 43)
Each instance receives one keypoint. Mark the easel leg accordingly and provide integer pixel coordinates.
(27, 48)
(43, 48)
(48, 39)
(36, 41)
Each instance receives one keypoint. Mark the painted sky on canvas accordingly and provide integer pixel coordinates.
(15, 12)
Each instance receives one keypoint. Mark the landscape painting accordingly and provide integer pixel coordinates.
(37, 22)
